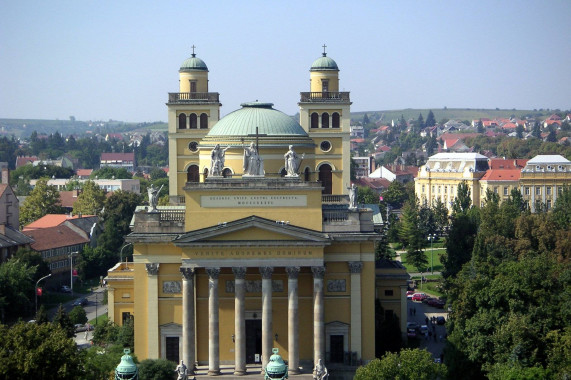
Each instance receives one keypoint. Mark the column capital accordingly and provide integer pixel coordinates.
(292, 272)
(152, 269)
(213, 273)
(239, 272)
(318, 272)
(266, 272)
(355, 266)
(187, 273)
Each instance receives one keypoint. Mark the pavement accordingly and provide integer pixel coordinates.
(94, 308)
(420, 312)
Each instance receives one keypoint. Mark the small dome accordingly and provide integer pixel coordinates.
(244, 121)
(193, 64)
(324, 63)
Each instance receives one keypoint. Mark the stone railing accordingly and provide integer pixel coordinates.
(329, 198)
(194, 97)
(325, 96)
(171, 215)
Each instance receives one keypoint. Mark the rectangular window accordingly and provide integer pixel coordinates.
(433, 188)
(560, 190)
(549, 204)
(495, 189)
(527, 190)
(506, 189)
(537, 190)
(423, 188)
(445, 189)
(548, 190)
(388, 292)
(325, 85)
(192, 86)
(438, 189)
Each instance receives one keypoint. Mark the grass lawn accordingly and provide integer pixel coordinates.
(100, 319)
(438, 267)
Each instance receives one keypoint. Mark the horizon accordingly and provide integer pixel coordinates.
(121, 62)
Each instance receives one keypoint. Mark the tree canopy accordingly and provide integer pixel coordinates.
(408, 364)
(43, 200)
(90, 201)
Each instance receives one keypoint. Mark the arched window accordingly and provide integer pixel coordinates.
(193, 121)
(324, 120)
(335, 120)
(306, 175)
(314, 120)
(205, 173)
(227, 173)
(192, 175)
(326, 179)
(203, 121)
(182, 121)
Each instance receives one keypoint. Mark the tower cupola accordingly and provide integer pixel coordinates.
(324, 74)
(193, 74)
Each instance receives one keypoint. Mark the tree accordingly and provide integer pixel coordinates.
(38, 351)
(156, 369)
(408, 364)
(395, 195)
(100, 363)
(16, 289)
(430, 119)
(536, 130)
(90, 201)
(42, 315)
(480, 127)
(463, 200)
(119, 209)
(109, 172)
(43, 200)
(552, 136)
(411, 236)
(561, 213)
(33, 259)
(366, 195)
(77, 315)
(157, 173)
(460, 242)
(519, 131)
(440, 215)
(63, 321)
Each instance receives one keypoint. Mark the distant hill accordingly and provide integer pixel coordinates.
(449, 113)
(24, 127)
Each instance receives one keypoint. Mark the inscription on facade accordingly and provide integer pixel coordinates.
(235, 201)
(253, 253)
(255, 286)
(336, 286)
(171, 287)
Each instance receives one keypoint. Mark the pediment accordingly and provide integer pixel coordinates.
(252, 229)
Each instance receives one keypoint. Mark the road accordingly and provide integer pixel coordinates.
(92, 310)
(419, 312)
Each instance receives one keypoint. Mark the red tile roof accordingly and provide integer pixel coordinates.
(374, 183)
(50, 220)
(502, 175)
(83, 172)
(117, 156)
(510, 163)
(23, 160)
(509, 125)
(358, 141)
(55, 237)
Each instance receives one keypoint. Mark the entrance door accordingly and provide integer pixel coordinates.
(336, 349)
(253, 339)
(172, 348)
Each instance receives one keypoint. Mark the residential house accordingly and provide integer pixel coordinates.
(11, 239)
(119, 160)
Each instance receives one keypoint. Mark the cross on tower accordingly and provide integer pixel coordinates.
(324, 53)
(193, 47)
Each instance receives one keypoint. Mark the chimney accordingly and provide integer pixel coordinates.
(5, 172)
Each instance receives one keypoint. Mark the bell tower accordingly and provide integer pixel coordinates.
(192, 112)
(325, 114)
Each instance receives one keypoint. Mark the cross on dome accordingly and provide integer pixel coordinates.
(193, 47)
(324, 53)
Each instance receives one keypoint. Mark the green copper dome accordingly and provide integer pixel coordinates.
(269, 121)
(324, 63)
(193, 64)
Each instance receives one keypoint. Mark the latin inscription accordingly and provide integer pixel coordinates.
(236, 201)
(171, 287)
(336, 286)
(253, 253)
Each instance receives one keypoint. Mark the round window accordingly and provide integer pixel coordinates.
(325, 146)
(193, 146)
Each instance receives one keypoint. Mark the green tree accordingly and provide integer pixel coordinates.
(366, 195)
(63, 321)
(100, 363)
(463, 200)
(408, 364)
(43, 200)
(440, 215)
(395, 195)
(562, 209)
(16, 289)
(90, 201)
(42, 315)
(519, 131)
(430, 119)
(33, 259)
(480, 126)
(460, 242)
(109, 172)
(156, 369)
(77, 315)
(536, 130)
(38, 351)
(552, 136)
(157, 173)
(411, 236)
(119, 209)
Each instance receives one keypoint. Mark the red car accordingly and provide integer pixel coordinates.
(418, 297)
(409, 294)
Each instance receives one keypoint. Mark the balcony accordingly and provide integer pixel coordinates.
(325, 97)
(193, 97)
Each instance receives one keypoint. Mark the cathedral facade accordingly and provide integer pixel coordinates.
(264, 244)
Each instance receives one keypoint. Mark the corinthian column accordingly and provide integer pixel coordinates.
(239, 321)
(292, 320)
(267, 329)
(355, 267)
(213, 323)
(318, 320)
(188, 354)
(153, 310)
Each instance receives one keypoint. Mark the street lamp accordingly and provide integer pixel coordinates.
(36, 290)
(431, 238)
(122, 248)
(71, 271)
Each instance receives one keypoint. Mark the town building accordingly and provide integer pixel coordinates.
(109, 185)
(119, 160)
(264, 244)
(543, 178)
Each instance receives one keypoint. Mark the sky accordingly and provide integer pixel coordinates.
(101, 60)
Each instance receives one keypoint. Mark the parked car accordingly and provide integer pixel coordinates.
(411, 333)
(409, 294)
(65, 289)
(427, 300)
(418, 297)
(423, 329)
(81, 302)
(440, 320)
(411, 325)
(79, 327)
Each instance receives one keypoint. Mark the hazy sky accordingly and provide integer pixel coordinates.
(100, 60)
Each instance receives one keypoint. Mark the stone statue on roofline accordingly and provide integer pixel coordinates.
(217, 157)
(153, 193)
(253, 163)
(292, 162)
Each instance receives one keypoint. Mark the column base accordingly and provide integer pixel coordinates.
(240, 373)
(214, 372)
(292, 372)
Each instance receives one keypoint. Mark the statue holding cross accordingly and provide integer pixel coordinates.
(253, 163)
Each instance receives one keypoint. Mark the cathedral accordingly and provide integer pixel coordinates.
(263, 245)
